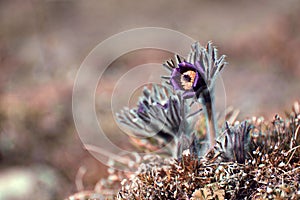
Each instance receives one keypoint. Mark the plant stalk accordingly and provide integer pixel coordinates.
(210, 115)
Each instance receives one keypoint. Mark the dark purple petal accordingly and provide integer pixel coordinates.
(175, 79)
(196, 80)
(186, 64)
(164, 106)
(141, 108)
(188, 94)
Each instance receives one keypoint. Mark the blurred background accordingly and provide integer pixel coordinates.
(43, 43)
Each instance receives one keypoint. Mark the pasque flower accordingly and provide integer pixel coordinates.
(164, 119)
(189, 78)
(196, 76)
(160, 114)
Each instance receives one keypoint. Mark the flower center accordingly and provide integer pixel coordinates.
(187, 79)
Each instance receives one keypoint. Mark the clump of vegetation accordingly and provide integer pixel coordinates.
(270, 171)
(252, 159)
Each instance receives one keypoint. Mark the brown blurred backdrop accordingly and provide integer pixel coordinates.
(43, 43)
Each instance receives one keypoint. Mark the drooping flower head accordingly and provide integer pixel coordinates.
(196, 75)
(189, 78)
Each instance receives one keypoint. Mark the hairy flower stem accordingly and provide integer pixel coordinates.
(210, 115)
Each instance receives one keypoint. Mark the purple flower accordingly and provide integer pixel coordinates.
(189, 78)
